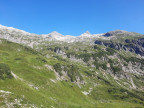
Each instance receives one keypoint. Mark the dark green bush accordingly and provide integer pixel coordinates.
(105, 81)
(96, 47)
(111, 61)
(59, 58)
(32, 51)
(18, 58)
(40, 59)
(57, 67)
(110, 51)
(73, 72)
(99, 54)
(132, 59)
(70, 54)
(50, 49)
(66, 48)
(5, 71)
(85, 57)
(97, 65)
(116, 69)
(104, 66)
(88, 73)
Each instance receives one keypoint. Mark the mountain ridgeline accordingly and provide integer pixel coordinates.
(56, 71)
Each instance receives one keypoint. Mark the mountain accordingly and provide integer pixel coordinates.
(120, 32)
(56, 71)
(20, 36)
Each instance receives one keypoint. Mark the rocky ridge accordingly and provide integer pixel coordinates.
(20, 36)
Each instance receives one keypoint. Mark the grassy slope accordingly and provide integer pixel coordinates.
(29, 67)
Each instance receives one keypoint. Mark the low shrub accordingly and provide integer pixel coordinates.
(58, 68)
(5, 71)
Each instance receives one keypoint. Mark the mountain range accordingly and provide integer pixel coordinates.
(61, 71)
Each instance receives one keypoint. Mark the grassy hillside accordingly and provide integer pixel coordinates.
(36, 84)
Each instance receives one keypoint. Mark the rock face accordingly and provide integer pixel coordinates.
(136, 46)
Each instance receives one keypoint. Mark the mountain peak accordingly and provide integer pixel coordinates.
(116, 32)
(55, 33)
(87, 32)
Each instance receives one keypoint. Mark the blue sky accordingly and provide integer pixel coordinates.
(73, 17)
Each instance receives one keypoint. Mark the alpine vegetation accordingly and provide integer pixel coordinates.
(62, 71)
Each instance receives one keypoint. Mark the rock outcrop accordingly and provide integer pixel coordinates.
(136, 46)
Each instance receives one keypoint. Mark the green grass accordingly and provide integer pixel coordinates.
(33, 84)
